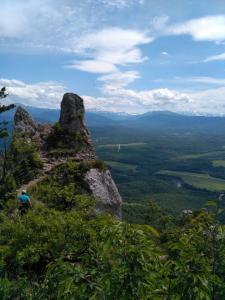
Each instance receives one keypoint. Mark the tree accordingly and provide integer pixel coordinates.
(4, 159)
(4, 108)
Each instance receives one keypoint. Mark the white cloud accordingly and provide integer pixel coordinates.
(164, 53)
(129, 101)
(215, 57)
(109, 48)
(93, 66)
(119, 79)
(208, 102)
(113, 38)
(209, 28)
(120, 3)
(49, 95)
(41, 94)
(206, 80)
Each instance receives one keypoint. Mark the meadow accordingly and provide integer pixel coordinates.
(198, 180)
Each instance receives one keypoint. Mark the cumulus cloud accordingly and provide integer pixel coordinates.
(207, 102)
(49, 95)
(134, 102)
(41, 94)
(209, 28)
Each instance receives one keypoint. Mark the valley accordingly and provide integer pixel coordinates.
(177, 171)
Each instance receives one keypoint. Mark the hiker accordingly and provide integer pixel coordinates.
(24, 202)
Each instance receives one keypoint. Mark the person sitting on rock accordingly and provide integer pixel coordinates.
(24, 202)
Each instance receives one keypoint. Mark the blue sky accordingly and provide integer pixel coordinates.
(128, 56)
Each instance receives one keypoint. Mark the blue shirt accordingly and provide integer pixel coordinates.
(24, 198)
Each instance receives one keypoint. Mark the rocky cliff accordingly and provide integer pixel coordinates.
(69, 139)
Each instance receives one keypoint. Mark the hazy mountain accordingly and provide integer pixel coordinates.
(160, 120)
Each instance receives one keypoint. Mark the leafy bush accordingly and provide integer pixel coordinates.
(71, 257)
(26, 160)
(65, 185)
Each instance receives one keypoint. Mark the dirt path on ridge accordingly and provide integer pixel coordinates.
(47, 166)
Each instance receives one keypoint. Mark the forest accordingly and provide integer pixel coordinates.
(168, 245)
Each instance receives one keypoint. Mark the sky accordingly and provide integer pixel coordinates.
(126, 56)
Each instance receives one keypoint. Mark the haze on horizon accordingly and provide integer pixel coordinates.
(129, 56)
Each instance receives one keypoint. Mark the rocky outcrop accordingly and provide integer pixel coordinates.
(72, 118)
(72, 114)
(23, 122)
(27, 128)
(72, 134)
(104, 190)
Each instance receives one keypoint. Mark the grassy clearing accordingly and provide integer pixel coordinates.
(121, 145)
(176, 203)
(197, 180)
(121, 166)
(199, 155)
(218, 163)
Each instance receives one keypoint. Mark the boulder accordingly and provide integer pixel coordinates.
(105, 191)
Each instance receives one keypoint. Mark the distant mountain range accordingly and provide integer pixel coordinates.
(157, 120)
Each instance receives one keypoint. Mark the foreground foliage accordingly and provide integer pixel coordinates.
(62, 250)
(19, 164)
(55, 254)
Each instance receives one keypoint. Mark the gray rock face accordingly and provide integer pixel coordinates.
(73, 124)
(23, 122)
(104, 190)
(72, 114)
(98, 182)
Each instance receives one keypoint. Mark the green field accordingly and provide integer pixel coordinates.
(218, 163)
(145, 153)
(121, 145)
(121, 166)
(199, 155)
(198, 180)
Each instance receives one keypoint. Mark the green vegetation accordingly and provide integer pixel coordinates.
(121, 166)
(151, 151)
(218, 163)
(199, 155)
(121, 145)
(4, 108)
(65, 186)
(61, 140)
(18, 165)
(58, 254)
(197, 180)
(62, 250)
